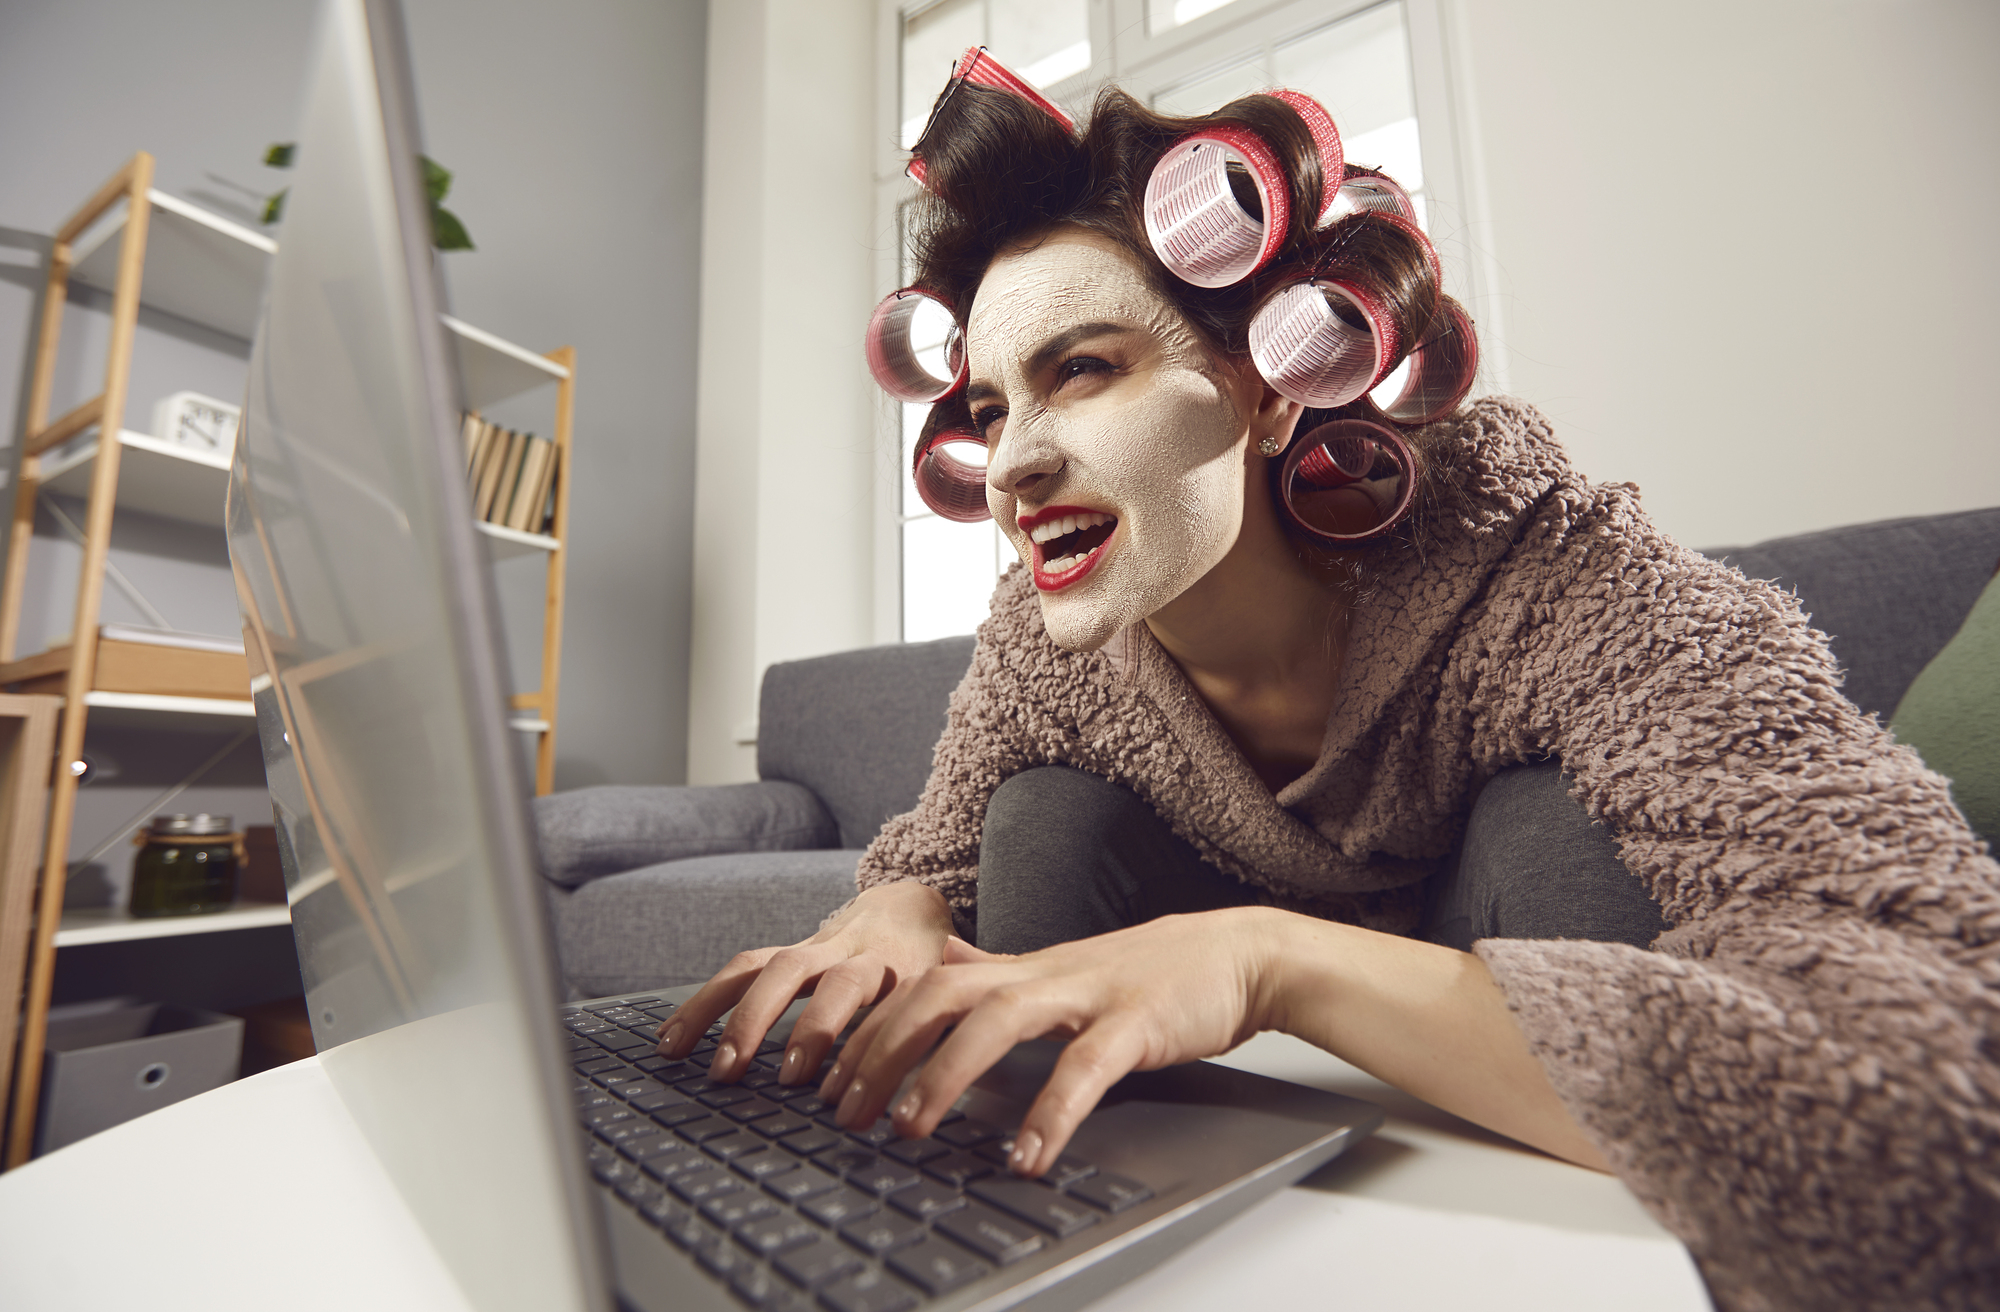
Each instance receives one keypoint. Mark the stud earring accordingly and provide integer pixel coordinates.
(1270, 446)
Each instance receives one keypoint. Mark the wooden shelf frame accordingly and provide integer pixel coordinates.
(212, 273)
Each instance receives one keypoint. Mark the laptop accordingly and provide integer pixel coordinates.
(554, 1161)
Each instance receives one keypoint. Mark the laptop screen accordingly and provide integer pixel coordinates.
(380, 703)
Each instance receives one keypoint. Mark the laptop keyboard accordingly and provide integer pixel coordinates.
(790, 1211)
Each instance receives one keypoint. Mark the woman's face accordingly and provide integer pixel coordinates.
(1117, 443)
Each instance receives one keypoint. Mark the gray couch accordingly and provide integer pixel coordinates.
(652, 887)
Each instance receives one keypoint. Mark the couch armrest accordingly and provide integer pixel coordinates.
(591, 832)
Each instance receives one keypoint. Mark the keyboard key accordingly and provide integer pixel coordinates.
(915, 1152)
(1037, 1204)
(720, 1256)
(665, 1211)
(614, 1079)
(700, 1186)
(993, 1235)
(620, 1040)
(751, 1109)
(668, 1167)
(882, 1233)
(732, 1146)
(665, 1069)
(758, 1079)
(960, 1169)
(868, 1291)
(596, 1060)
(726, 1096)
(645, 1147)
(807, 1103)
(772, 1235)
(708, 1127)
(697, 1085)
(1113, 1193)
(585, 1024)
(797, 1186)
(999, 1151)
(810, 1141)
(638, 1190)
(816, 1264)
(876, 1136)
(678, 1222)
(1068, 1169)
(760, 1286)
(633, 1086)
(969, 1133)
(679, 1113)
(665, 1011)
(938, 1267)
(619, 1131)
(740, 1208)
(883, 1177)
(613, 1171)
(836, 1207)
(767, 1164)
(600, 1116)
(653, 1102)
(846, 1157)
(927, 1201)
(777, 1127)
(595, 1098)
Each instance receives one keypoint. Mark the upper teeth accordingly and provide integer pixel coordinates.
(1055, 528)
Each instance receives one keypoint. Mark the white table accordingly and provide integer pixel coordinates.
(263, 1194)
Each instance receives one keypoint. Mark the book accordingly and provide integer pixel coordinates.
(505, 443)
(522, 513)
(470, 426)
(510, 477)
(491, 443)
(541, 518)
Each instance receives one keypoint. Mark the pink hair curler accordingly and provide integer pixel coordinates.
(1370, 191)
(1323, 342)
(979, 67)
(1442, 369)
(1197, 227)
(948, 485)
(1348, 482)
(916, 349)
(1326, 137)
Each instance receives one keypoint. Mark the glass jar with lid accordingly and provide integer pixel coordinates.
(186, 865)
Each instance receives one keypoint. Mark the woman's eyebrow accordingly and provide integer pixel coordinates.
(1051, 352)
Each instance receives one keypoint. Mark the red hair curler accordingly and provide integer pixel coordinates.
(1348, 482)
(981, 68)
(1196, 224)
(915, 346)
(1442, 369)
(1370, 191)
(948, 485)
(1323, 341)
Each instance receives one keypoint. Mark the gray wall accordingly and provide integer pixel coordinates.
(576, 138)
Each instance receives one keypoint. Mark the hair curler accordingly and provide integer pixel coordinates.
(1371, 191)
(1347, 482)
(1195, 219)
(948, 485)
(916, 349)
(1323, 341)
(1442, 369)
(981, 68)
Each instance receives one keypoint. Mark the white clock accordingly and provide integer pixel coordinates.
(198, 422)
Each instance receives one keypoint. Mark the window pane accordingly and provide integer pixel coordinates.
(1043, 40)
(1164, 15)
(948, 577)
(1207, 94)
(1359, 69)
(932, 41)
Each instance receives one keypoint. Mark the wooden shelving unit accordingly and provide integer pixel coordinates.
(148, 248)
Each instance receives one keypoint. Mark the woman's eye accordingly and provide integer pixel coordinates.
(1083, 365)
(984, 420)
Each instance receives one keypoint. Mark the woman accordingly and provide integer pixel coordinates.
(1188, 703)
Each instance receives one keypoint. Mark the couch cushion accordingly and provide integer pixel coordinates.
(1951, 715)
(680, 922)
(587, 833)
(1889, 595)
(859, 727)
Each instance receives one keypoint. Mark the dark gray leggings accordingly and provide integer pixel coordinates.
(1066, 855)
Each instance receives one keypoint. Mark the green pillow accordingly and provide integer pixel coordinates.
(1951, 715)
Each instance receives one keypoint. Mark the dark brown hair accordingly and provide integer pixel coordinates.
(1001, 172)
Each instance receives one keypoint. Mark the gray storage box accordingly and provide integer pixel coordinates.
(111, 1060)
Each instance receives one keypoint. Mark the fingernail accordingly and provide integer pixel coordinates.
(832, 1080)
(725, 1058)
(795, 1062)
(848, 1102)
(671, 1038)
(907, 1109)
(1027, 1147)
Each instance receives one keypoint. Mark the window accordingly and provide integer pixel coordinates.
(1182, 57)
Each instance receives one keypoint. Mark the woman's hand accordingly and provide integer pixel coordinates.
(1168, 991)
(890, 933)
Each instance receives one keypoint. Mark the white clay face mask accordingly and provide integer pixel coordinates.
(1117, 457)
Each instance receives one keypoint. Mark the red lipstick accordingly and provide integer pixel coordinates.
(1074, 553)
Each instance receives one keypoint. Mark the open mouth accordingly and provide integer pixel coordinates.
(1068, 540)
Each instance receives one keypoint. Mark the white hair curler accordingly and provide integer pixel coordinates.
(1323, 342)
(1442, 369)
(1370, 191)
(949, 486)
(916, 349)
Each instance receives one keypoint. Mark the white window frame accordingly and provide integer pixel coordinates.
(1122, 51)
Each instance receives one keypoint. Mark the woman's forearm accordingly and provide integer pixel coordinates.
(1427, 1019)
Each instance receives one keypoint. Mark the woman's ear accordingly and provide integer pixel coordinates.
(1274, 419)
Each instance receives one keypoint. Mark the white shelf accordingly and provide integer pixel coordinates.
(161, 478)
(205, 269)
(507, 543)
(140, 710)
(527, 725)
(83, 925)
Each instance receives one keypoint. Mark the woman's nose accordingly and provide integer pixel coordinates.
(1021, 463)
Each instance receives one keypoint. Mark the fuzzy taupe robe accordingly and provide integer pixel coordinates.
(1802, 1078)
